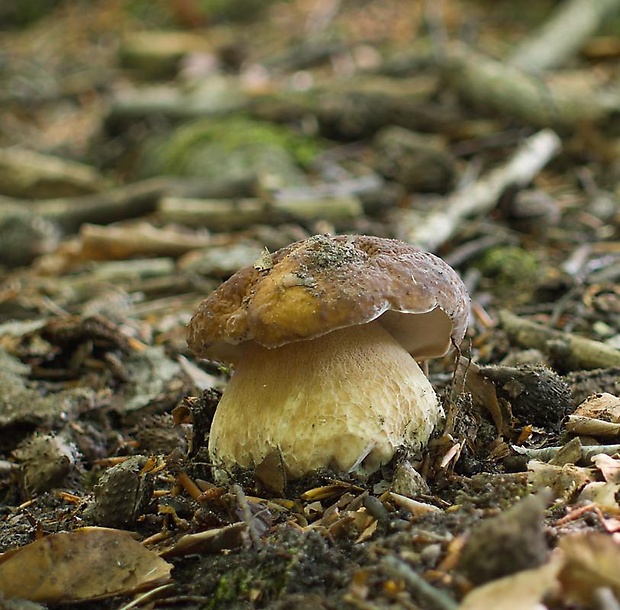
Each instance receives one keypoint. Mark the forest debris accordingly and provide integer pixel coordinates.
(421, 588)
(415, 507)
(221, 261)
(24, 236)
(578, 352)
(129, 201)
(31, 175)
(601, 495)
(484, 394)
(139, 239)
(122, 494)
(127, 273)
(590, 563)
(214, 96)
(588, 426)
(364, 186)
(524, 590)
(507, 90)
(507, 543)
(230, 215)
(420, 162)
(609, 467)
(407, 481)
(157, 54)
(585, 383)
(85, 564)
(357, 107)
(22, 407)
(210, 541)
(587, 452)
(563, 481)
(46, 462)
(429, 231)
(562, 35)
(537, 395)
(603, 406)
(230, 149)
(151, 373)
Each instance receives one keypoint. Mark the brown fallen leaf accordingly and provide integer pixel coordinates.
(598, 415)
(602, 495)
(590, 563)
(604, 406)
(562, 480)
(86, 564)
(209, 541)
(609, 467)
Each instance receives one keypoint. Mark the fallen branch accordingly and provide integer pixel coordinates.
(424, 590)
(561, 37)
(30, 174)
(431, 231)
(511, 92)
(128, 201)
(578, 352)
(233, 214)
(587, 452)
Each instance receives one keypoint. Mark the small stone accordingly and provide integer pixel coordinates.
(508, 543)
(407, 481)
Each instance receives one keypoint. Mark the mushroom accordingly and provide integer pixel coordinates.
(324, 335)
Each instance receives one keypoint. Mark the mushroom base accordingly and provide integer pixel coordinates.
(345, 401)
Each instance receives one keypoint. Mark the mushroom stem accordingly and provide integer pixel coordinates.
(346, 400)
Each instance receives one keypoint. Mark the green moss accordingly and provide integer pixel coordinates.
(229, 147)
(512, 271)
(230, 588)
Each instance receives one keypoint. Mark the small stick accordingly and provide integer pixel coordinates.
(248, 517)
(435, 598)
(562, 35)
(431, 231)
(582, 352)
(587, 452)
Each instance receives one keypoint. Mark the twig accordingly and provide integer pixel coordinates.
(433, 598)
(549, 453)
(432, 231)
(507, 90)
(580, 351)
(229, 215)
(147, 597)
(128, 201)
(248, 517)
(571, 24)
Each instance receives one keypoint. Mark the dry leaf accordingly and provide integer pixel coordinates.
(588, 426)
(602, 494)
(598, 415)
(609, 467)
(484, 394)
(209, 541)
(590, 562)
(602, 406)
(562, 480)
(521, 591)
(85, 564)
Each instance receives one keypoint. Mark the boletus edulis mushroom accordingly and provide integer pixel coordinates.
(324, 338)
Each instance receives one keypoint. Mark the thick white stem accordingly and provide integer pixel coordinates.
(346, 400)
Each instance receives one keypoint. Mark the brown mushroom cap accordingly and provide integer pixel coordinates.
(324, 283)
